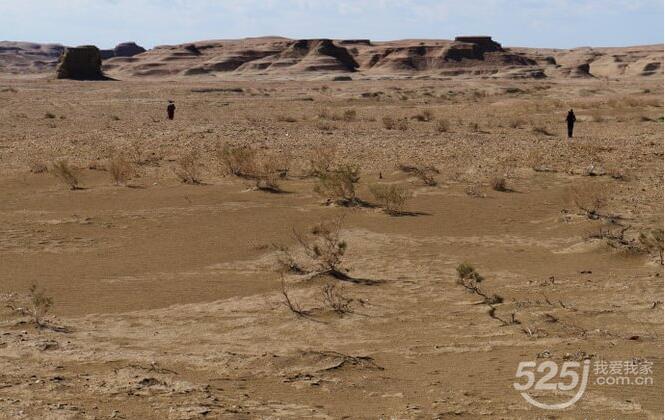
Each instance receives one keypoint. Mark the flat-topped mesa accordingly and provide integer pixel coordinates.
(484, 42)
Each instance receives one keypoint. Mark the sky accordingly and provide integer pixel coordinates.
(525, 23)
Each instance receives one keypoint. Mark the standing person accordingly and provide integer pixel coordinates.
(570, 119)
(170, 110)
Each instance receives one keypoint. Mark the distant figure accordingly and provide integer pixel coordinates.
(170, 110)
(570, 119)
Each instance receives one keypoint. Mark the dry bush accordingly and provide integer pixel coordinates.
(338, 185)
(442, 126)
(424, 116)
(499, 180)
(38, 167)
(291, 303)
(268, 172)
(652, 241)
(348, 115)
(188, 170)
(403, 124)
(615, 237)
(49, 115)
(515, 123)
(539, 129)
(388, 123)
(322, 248)
(321, 160)
(119, 169)
(591, 199)
(35, 305)
(475, 190)
(236, 160)
(333, 297)
(470, 279)
(326, 126)
(65, 173)
(392, 197)
(425, 173)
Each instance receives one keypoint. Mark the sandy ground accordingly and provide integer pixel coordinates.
(167, 300)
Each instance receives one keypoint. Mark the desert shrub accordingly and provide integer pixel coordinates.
(442, 126)
(515, 123)
(188, 169)
(474, 190)
(498, 182)
(333, 297)
(652, 241)
(322, 248)
(35, 305)
(38, 167)
(388, 123)
(470, 279)
(49, 115)
(591, 199)
(392, 197)
(321, 160)
(403, 124)
(268, 173)
(65, 173)
(326, 126)
(338, 185)
(285, 118)
(499, 179)
(119, 169)
(290, 302)
(349, 115)
(475, 127)
(236, 160)
(425, 173)
(539, 129)
(424, 116)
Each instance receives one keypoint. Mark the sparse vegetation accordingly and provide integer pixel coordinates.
(237, 160)
(388, 123)
(188, 170)
(322, 248)
(334, 298)
(35, 305)
(119, 169)
(338, 185)
(652, 241)
(392, 197)
(65, 173)
(589, 198)
(442, 126)
(425, 115)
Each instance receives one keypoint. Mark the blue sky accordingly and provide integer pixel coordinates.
(532, 23)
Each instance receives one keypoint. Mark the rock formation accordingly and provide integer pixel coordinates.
(80, 63)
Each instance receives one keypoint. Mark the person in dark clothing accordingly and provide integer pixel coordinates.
(170, 110)
(570, 119)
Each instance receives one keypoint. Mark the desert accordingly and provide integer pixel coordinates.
(328, 228)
